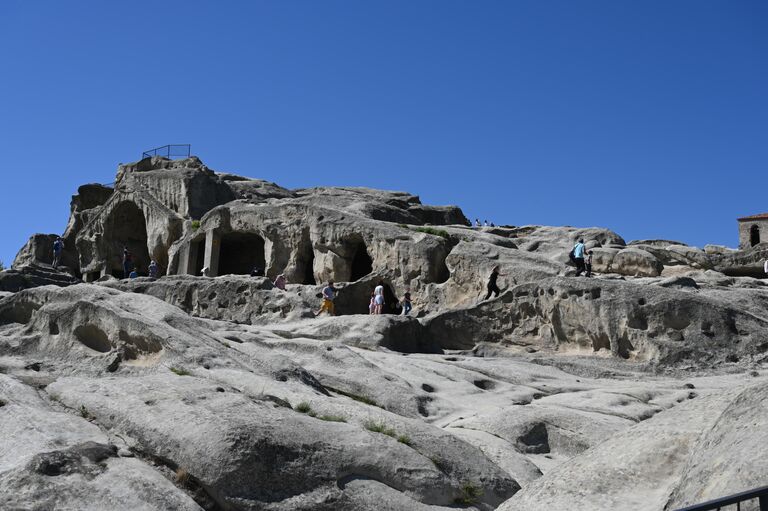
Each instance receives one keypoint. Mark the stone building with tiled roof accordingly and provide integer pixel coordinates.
(753, 229)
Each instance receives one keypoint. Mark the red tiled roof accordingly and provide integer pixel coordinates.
(761, 216)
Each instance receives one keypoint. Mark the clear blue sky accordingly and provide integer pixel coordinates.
(647, 117)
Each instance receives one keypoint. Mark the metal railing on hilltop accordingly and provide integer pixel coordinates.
(169, 151)
(759, 494)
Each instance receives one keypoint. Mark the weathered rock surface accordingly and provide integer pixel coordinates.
(34, 275)
(640, 388)
(51, 459)
(655, 324)
(662, 460)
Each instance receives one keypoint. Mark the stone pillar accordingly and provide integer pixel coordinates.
(185, 266)
(212, 246)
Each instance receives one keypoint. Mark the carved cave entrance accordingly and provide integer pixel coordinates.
(355, 299)
(129, 229)
(196, 257)
(754, 235)
(362, 264)
(240, 253)
(309, 270)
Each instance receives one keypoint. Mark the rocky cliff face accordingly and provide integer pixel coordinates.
(640, 388)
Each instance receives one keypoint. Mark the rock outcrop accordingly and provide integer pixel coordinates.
(640, 388)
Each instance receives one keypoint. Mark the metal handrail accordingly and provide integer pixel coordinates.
(186, 150)
(758, 493)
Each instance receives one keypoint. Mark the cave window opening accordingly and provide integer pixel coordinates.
(754, 235)
(362, 264)
(240, 253)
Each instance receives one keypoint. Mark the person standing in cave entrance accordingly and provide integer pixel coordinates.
(379, 297)
(372, 304)
(58, 246)
(329, 295)
(127, 262)
(493, 287)
(153, 269)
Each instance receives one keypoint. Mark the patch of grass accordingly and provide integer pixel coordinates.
(403, 226)
(470, 494)
(332, 418)
(442, 465)
(195, 224)
(380, 427)
(356, 397)
(433, 231)
(182, 476)
(84, 413)
(404, 439)
(303, 407)
(180, 371)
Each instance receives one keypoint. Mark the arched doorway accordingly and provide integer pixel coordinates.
(240, 253)
(754, 235)
(128, 228)
(362, 264)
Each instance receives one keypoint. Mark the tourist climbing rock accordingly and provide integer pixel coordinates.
(588, 263)
(578, 257)
(493, 287)
(329, 295)
(406, 303)
(58, 246)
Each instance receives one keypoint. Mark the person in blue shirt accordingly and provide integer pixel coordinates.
(58, 246)
(578, 257)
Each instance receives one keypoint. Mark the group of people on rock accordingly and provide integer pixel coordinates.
(130, 271)
(580, 256)
(484, 224)
(375, 305)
